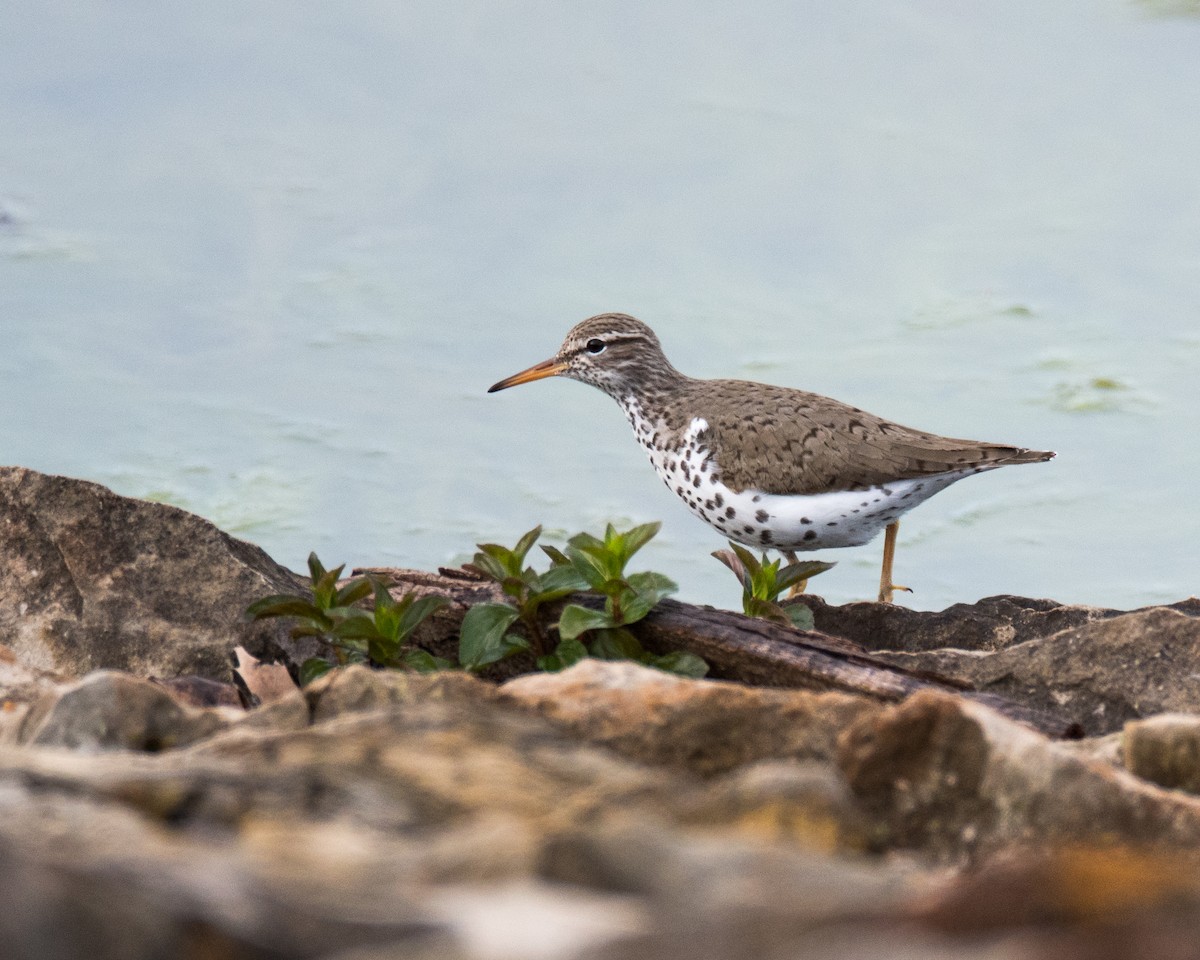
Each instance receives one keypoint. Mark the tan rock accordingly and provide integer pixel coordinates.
(807, 804)
(705, 726)
(953, 778)
(357, 689)
(1164, 750)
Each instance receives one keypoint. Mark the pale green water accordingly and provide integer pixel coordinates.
(262, 261)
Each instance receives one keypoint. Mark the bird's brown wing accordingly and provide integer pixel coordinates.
(788, 441)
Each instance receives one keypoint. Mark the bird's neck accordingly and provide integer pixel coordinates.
(649, 397)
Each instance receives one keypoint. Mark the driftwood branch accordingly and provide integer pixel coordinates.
(735, 646)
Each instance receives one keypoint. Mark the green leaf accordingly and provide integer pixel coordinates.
(283, 605)
(310, 630)
(425, 662)
(651, 587)
(749, 560)
(566, 654)
(509, 562)
(417, 611)
(387, 614)
(487, 567)
(359, 648)
(593, 569)
(325, 589)
(800, 616)
(558, 582)
(633, 540)
(570, 652)
(525, 544)
(312, 668)
(585, 541)
(557, 557)
(483, 638)
(679, 662)
(357, 626)
(514, 587)
(315, 570)
(576, 620)
(352, 592)
(804, 570)
(616, 644)
(765, 610)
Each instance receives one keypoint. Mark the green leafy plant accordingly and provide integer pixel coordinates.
(487, 636)
(628, 598)
(589, 564)
(763, 581)
(379, 637)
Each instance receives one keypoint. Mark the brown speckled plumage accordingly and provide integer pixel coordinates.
(766, 465)
(763, 437)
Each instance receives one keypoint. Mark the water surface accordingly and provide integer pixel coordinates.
(262, 261)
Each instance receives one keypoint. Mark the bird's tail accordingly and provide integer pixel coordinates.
(1024, 455)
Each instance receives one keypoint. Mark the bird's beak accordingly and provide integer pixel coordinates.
(539, 371)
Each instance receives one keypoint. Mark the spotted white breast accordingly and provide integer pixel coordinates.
(844, 518)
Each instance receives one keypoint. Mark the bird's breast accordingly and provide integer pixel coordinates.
(840, 518)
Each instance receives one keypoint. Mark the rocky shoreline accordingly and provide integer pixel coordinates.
(608, 812)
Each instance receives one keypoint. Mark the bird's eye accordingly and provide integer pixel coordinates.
(596, 346)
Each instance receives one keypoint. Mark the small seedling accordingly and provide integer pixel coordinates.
(486, 635)
(628, 598)
(763, 581)
(332, 615)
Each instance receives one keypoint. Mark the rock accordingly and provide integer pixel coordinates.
(714, 898)
(1101, 886)
(994, 623)
(202, 692)
(94, 580)
(1102, 673)
(952, 778)
(807, 805)
(705, 726)
(114, 711)
(359, 689)
(93, 880)
(20, 683)
(1165, 750)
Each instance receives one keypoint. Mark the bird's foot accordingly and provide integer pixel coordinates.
(885, 593)
(798, 588)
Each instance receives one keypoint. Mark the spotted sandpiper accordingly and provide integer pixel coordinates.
(767, 466)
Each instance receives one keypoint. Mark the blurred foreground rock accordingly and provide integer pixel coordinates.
(609, 812)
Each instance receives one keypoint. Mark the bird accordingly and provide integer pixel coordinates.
(769, 467)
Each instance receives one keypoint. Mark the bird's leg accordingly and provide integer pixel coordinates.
(886, 587)
(800, 585)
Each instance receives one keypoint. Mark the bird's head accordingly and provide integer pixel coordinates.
(612, 351)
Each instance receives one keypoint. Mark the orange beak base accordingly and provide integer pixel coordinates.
(539, 371)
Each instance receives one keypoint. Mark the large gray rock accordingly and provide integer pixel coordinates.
(108, 710)
(990, 624)
(1101, 674)
(91, 580)
(993, 623)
